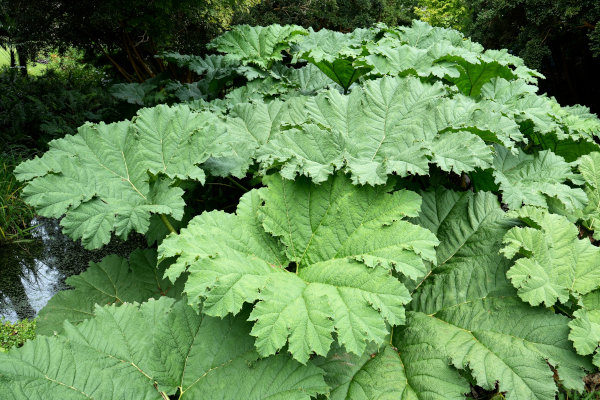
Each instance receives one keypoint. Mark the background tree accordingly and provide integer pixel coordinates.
(331, 14)
(444, 13)
(24, 28)
(561, 38)
(128, 34)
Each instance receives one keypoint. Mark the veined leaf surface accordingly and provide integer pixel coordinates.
(114, 280)
(465, 315)
(100, 178)
(316, 257)
(161, 349)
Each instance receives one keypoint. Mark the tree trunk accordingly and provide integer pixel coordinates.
(22, 53)
(13, 61)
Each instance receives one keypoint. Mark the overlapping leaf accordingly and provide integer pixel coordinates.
(393, 125)
(335, 53)
(555, 264)
(114, 280)
(397, 59)
(464, 315)
(111, 178)
(445, 53)
(162, 349)
(259, 45)
(248, 127)
(216, 72)
(314, 258)
(589, 167)
(317, 257)
(415, 372)
(554, 126)
(422, 35)
(531, 179)
(585, 328)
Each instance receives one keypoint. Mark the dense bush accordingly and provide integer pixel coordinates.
(560, 38)
(332, 14)
(127, 35)
(419, 221)
(37, 109)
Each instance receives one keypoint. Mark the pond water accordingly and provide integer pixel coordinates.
(32, 272)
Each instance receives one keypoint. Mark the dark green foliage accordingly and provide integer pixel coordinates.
(15, 214)
(37, 109)
(206, 78)
(331, 14)
(128, 34)
(16, 334)
(559, 37)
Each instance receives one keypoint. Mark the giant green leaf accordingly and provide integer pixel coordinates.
(517, 99)
(334, 53)
(468, 294)
(473, 76)
(161, 349)
(422, 35)
(114, 280)
(316, 257)
(260, 45)
(585, 327)
(589, 167)
(465, 315)
(555, 264)
(397, 59)
(531, 179)
(111, 178)
(247, 126)
(449, 54)
(416, 372)
(393, 125)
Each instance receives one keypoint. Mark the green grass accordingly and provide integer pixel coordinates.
(15, 215)
(15, 334)
(4, 57)
(33, 68)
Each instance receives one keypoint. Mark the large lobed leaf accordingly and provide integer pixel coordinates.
(316, 257)
(163, 348)
(585, 327)
(392, 125)
(533, 179)
(554, 264)
(114, 280)
(260, 45)
(111, 178)
(335, 53)
(464, 316)
(589, 167)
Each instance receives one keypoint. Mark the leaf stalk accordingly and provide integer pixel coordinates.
(237, 184)
(165, 221)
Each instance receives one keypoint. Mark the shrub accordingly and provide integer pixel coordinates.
(37, 109)
(411, 230)
(15, 334)
(15, 214)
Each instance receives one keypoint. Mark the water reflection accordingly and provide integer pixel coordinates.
(31, 273)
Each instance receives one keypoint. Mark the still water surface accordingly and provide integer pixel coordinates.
(32, 272)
